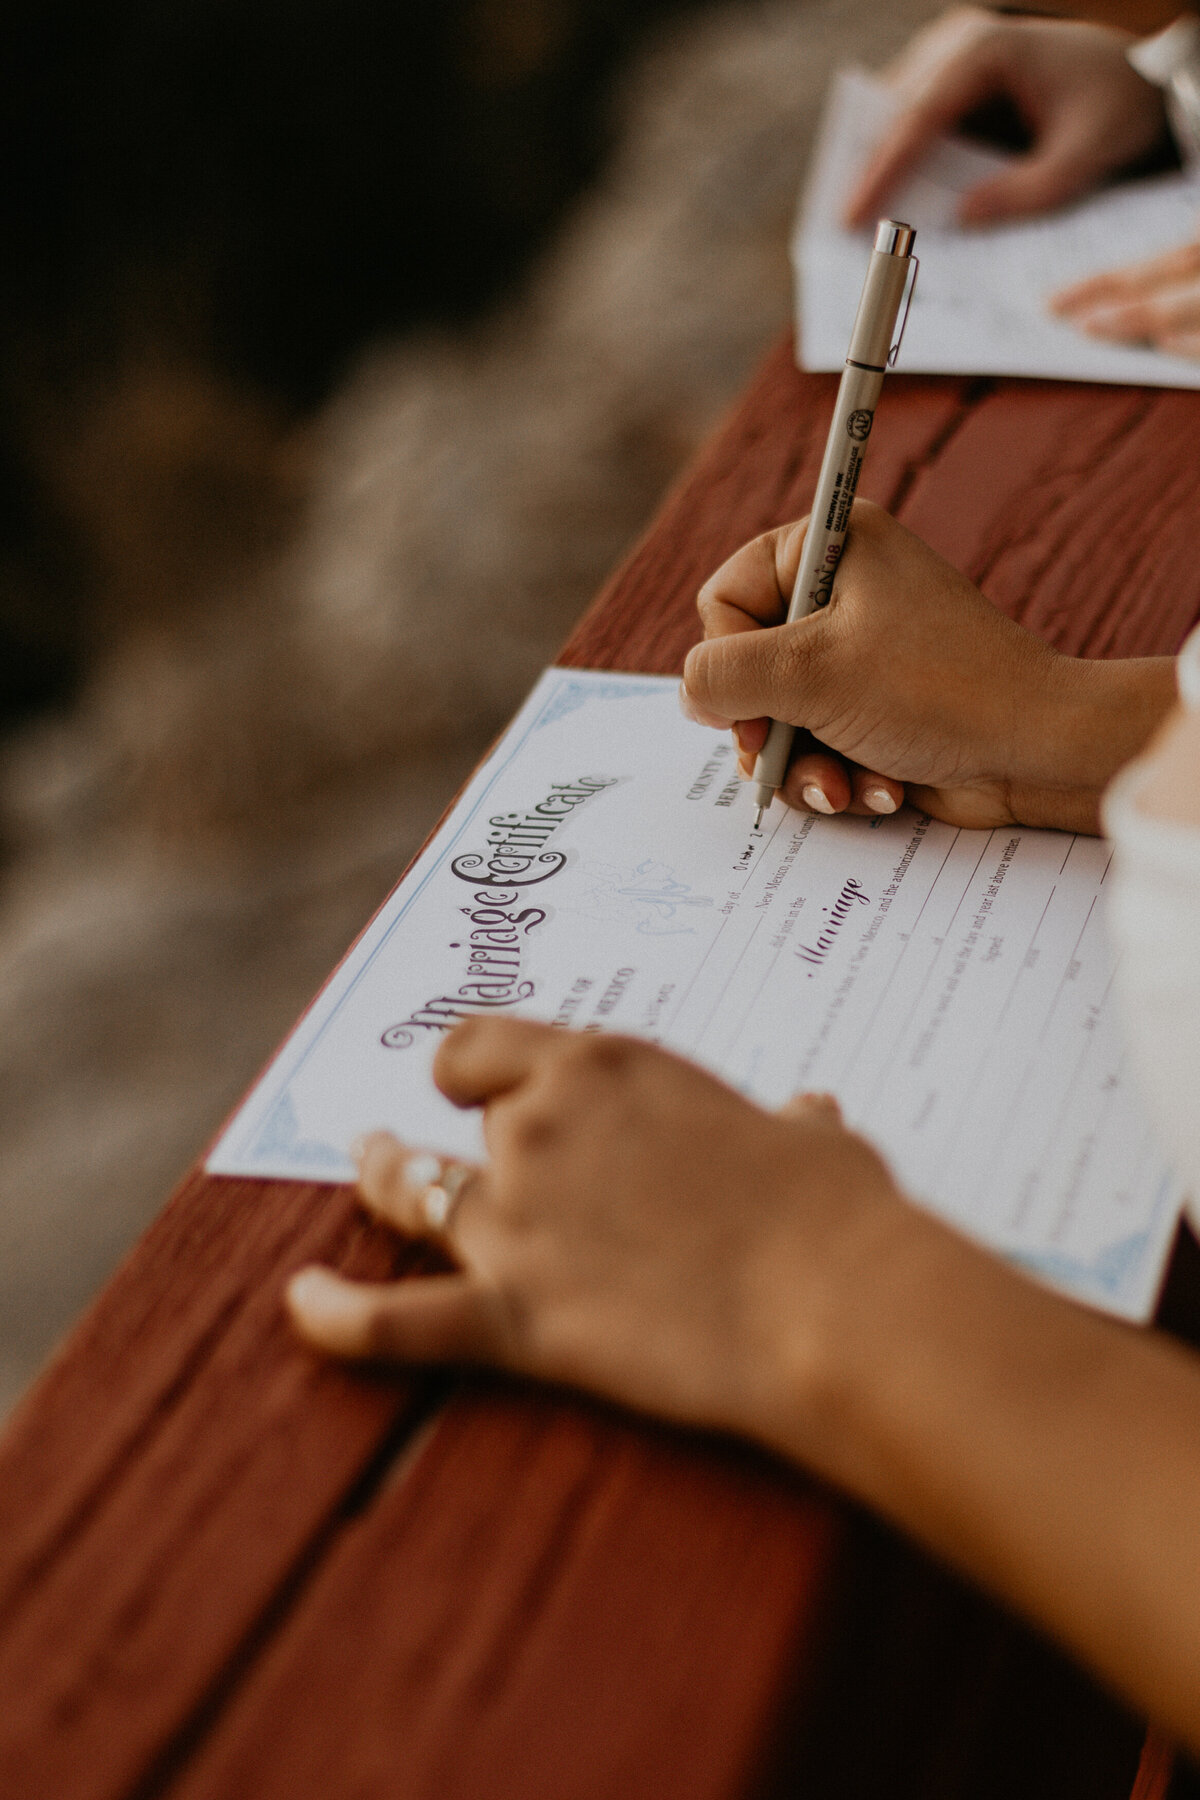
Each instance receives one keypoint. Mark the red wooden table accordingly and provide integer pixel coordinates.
(228, 1569)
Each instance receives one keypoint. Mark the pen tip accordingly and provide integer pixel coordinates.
(758, 816)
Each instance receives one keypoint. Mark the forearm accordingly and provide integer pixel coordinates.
(1096, 716)
(1050, 1454)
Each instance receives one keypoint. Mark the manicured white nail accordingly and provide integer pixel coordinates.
(879, 800)
(422, 1169)
(323, 1297)
(816, 798)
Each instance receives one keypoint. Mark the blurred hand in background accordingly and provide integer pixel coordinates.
(1155, 302)
(1086, 111)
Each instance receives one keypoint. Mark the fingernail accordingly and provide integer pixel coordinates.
(879, 800)
(357, 1147)
(324, 1297)
(422, 1169)
(816, 798)
(685, 705)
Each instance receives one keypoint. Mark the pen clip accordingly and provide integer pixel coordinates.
(909, 285)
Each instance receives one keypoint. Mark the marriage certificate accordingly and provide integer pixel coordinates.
(952, 988)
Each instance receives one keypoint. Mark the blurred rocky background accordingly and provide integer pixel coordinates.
(343, 349)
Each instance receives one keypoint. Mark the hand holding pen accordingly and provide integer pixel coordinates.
(915, 687)
(890, 275)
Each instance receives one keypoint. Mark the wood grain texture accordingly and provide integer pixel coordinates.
(610, 1626)
(169, 1478)
(757, 472)
(229, 1569)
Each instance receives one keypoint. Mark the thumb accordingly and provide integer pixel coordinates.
(753, 674)
(426, 1319)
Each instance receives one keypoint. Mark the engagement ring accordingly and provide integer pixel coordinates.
(443, 1183)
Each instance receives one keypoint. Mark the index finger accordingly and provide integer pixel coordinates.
(959, 91)
(892, 160)
(483, 1058)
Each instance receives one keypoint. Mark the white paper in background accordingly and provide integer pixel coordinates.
(952, 987)
(979, 306)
